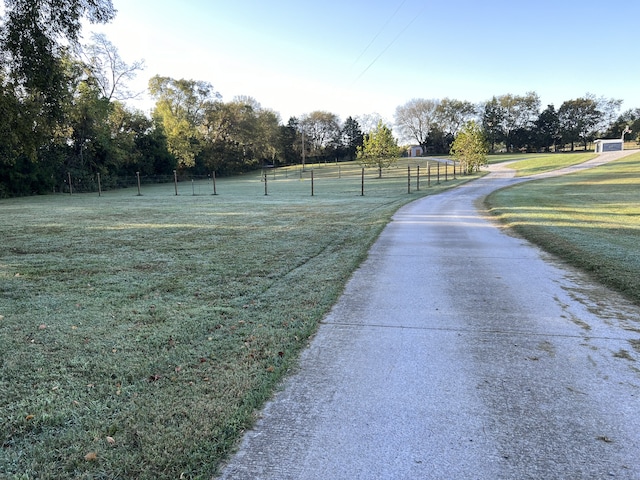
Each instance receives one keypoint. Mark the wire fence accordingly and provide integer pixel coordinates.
(310, 179)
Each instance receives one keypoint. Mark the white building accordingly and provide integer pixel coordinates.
(415, 151)
(609, 145)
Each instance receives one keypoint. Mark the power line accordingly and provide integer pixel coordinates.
(391, 43)
(379, 32)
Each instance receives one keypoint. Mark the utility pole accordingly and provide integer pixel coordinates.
(303, 149)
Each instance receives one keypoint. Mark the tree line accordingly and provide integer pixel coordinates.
(516, 122)
(65, 114)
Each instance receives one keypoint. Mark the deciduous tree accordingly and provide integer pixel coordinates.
(470, 147)
(322, 132)
(518, 112)
(579, 119)
(451, 115)
(108, 70)
(33, 36)
(416, 119)
(380, 149)
(180, 106)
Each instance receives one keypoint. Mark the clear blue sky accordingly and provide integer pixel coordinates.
(354, 57)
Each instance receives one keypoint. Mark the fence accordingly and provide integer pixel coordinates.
(312, 179)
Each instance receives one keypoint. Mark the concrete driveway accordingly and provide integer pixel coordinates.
(458, 351)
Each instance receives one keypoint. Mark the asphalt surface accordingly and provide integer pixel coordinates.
(458, 351)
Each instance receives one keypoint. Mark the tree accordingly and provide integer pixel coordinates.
(470, 147)
(547, 129)
(108, 70)
(33, 35)
(579, 119)
(229, 136)
(628, 119)
(322, 132)
(369, 121)
(89, 137)
(609, 108)
(416, 119)
(291, 141)
(492, 118)
(180, 107)
(380, 149)
(518, 112)
(267, 138)
(352, 137)
(451, 114)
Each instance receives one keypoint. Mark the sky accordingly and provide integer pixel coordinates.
(356, 57)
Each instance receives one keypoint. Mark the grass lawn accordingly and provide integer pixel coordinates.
(591, 219)
(533, 164)
(139, 334)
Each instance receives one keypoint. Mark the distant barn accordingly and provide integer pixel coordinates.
(613, 145)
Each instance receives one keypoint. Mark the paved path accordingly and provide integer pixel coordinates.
(458, 352)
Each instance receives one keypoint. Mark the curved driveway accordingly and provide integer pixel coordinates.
(459, 352)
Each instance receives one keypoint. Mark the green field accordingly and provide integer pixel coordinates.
(591, 219)
(139, 334)
(546, 162)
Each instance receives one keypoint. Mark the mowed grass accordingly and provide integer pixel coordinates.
(139, 334)
(534, 164)
(591, 219)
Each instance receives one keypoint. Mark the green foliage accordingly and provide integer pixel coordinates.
(353, 137)
(507, 117)
(547, 129)
(578, 120)
(470, 147)
(322, 133)
(180, 107)
(379, 149)
(31, 37)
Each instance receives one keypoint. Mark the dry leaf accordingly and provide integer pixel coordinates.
(271, 369)
(91, 457)
(29, 417)
(111, 440)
